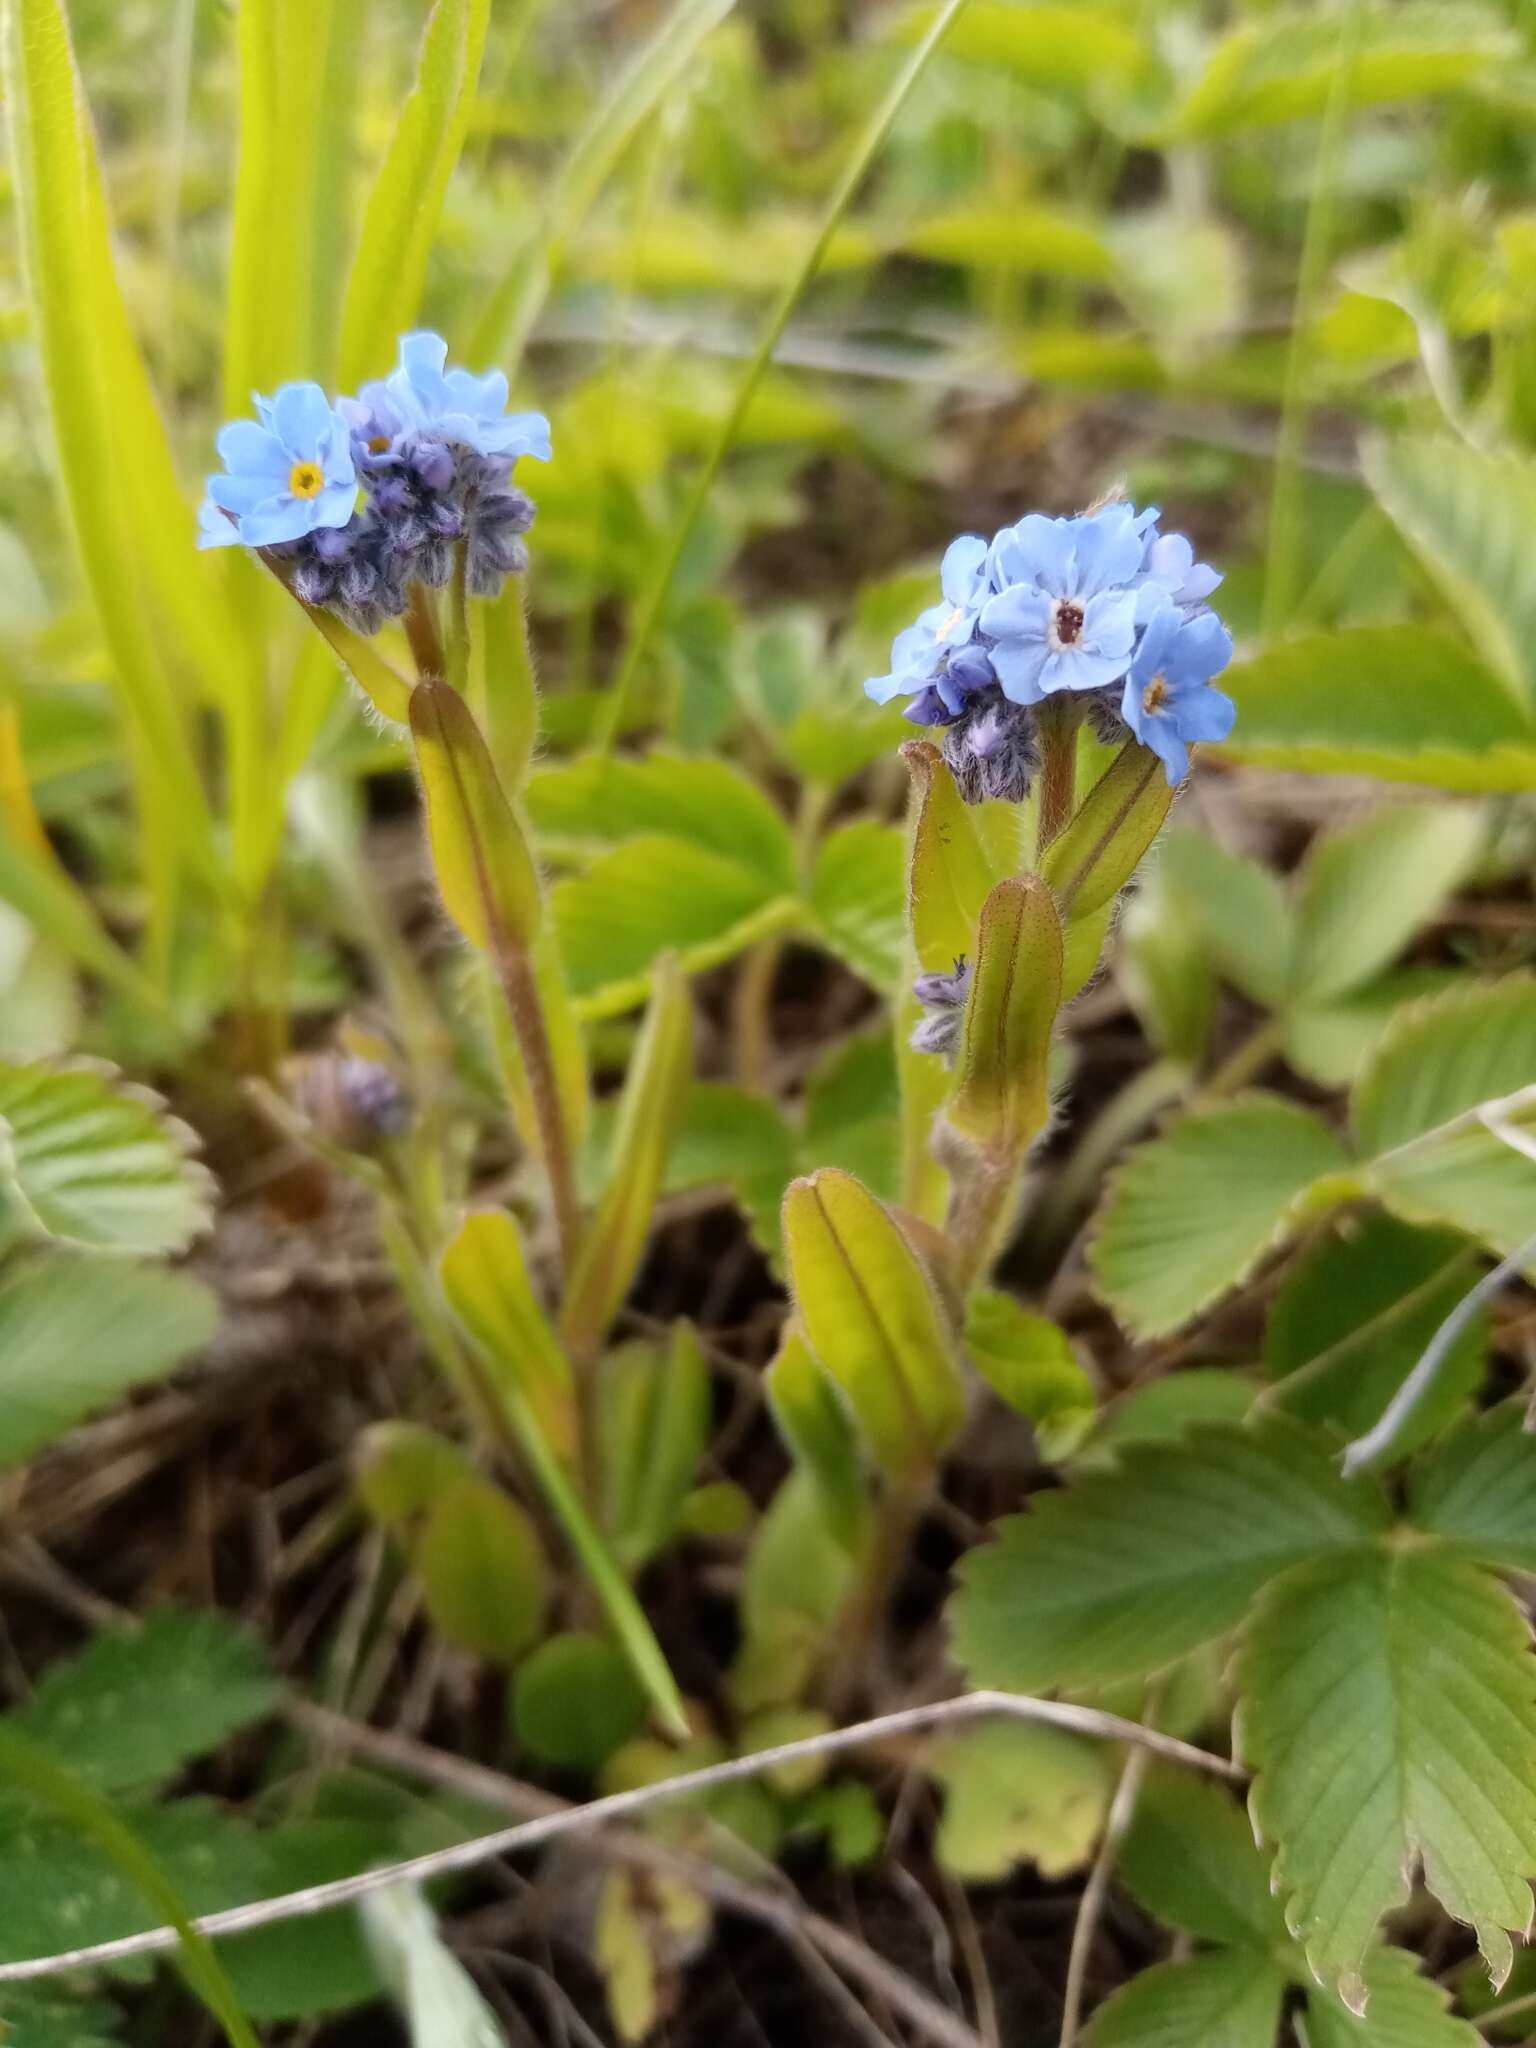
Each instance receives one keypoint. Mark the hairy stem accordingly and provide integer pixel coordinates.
(863, 1613)
(1056, 719)
(515, 971)
(424, 633)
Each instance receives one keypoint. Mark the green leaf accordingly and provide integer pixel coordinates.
(484, 869)
(1029, 1363)
(949, 871)
(1002, 1092)
(1161, 1410)
(1366, 889)
(26, 1768)
(858, 900)
(1018, 1793)
(1190, 1859)
(88, 1161)
(1439, 1060)
(41, 2016)
(1128, 1569)
(75, 1335)
(1043, 45)
(1021, 240)
(652, 895)
(654, 1424)
(1404, 2009)
(305, 1968)
(1191, 1213)
(850, 1095)
(650, 1110)
(1283, 68)
(1477, 1491)
(600, 801)
(575, 1701)
(731, 1137)
(820, 1436)
(1167, 971)
(482, 1572)
(1353, 1317)
(1402, 703)
(402, 1469)
(400, 220)
(1238, 905)
(1471, 517)
(1332, 1043)
(872, 1318)
(793, 1586)
(1230, 1999)
(488, 1286)
(1089, 863)
(1390, 1715)
(131, 1709)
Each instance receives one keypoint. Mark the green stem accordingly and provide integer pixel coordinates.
(520, 987)
(458, 647)
(981, 1212)
(858, 1625)
(865, 150)
(424, 633)
(1056, 722)
(1240, 1066)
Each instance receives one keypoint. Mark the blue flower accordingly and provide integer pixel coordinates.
(1168, 702)
(1172, 574)
(284, 477)
(454, 406)
(1064, 617)
(965, 577)
(935, 675)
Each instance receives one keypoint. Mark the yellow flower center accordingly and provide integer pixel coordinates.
(1155, 695)
(305, 480)
(378, 443)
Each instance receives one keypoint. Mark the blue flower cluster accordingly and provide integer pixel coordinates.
(1102, 605)
(355, 501)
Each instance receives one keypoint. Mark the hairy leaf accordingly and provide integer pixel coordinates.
(1192, 1212)
(484, 869)
(1390, 1713)
(949, 871)
(1001, 1097)
(1126, 1570)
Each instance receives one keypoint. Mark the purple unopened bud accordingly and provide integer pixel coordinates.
(970, 669)
(928, 708)
(431, 462)
(945, 991)
(991, 749)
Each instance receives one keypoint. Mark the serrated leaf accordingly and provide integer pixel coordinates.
(1477, 1490)
(1028, 1362)
(76, 1334)
(400, 218)
(1332, 1043)
(1404, 2009)
(1441, 1059)
(1126, 1570)
(89, 1161)
(1189, 1857)
(1001, 1097)
(603, 800)
(949, 871)
(488, 1286)
(1366, 889)
(650, 1110)
(1403, 703)
(1230, 1999)
(489, 884)
(651, 895)
(872, 1318)
(1240, 907)
(1390, 1714)
(1283, 68)
(1353, 1317)
(1018, 1793)
(319, 1963)
(1471, 517)
(1192, 1212)
(857, 899)
(131, 1709)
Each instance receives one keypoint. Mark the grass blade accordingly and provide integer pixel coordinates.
(865, 150)
(403, 208)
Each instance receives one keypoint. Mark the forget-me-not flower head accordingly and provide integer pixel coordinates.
(1172, 575)
(1168, 701)
(934, 674)
(459, 408)
(965, 578)
(286, 474)
(1064, 617)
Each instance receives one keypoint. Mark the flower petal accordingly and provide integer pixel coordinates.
(963, 562)
(1108, 551)
(215, 529)
(276, 519)
(1079, 668)
(1109, 624)
(1020, 613)
(1203, 649)
(240, 494)
(1019, 664)
(301, 418)
(1204, 714)
(249, 450)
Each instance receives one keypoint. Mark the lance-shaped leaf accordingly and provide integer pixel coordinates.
(650, 1111)
(566, 1045)
(948, 871)
(485, 1278)
(379, 680)
(872, 1318)
(815, 1425)
(1002, 1098)
(653, 1412)
(1109, 832)
(484, 869)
